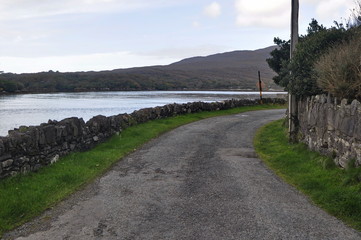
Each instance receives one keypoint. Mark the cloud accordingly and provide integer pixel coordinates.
(196, 24)
(262, 13)
(105, 61)
(277, 13)
(87, 62)
(20, 9)
(334, 9)
(213, 10)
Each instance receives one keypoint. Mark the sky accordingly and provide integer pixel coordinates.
(86, 35)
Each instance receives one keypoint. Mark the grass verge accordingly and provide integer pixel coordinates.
(26, 196)
(336, 190)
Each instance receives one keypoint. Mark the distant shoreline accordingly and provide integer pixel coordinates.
(181, 90)
(34, 109)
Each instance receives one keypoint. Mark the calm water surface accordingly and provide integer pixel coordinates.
(33, 109)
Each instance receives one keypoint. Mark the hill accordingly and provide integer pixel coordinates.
(230, 70)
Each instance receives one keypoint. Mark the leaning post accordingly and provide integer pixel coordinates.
(260, 87)
(292, 104)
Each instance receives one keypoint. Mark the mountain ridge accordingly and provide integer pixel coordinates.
(235, 53)
(229, 70)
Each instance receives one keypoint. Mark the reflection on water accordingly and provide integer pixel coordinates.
(33, 109)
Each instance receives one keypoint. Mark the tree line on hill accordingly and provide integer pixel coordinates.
(228, 71)
(102, 81)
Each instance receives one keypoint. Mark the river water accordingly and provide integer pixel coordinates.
(33, 109)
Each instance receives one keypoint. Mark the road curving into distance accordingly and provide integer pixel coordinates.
(199, 181)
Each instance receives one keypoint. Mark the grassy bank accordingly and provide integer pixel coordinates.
(336, 190)
(23, 197)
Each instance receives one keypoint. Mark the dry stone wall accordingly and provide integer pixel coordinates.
(29, 148)
(332, 128)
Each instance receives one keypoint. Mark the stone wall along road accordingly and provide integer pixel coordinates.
(32, 147)
(332, 128)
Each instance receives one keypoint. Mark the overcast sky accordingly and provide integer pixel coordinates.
(83, 35)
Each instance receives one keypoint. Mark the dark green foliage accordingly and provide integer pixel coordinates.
(308, 51)
(124, 81)
(327, 162)
(10, 86)
(352, 173)
(314, 27)
(298, 76)
(279, 59)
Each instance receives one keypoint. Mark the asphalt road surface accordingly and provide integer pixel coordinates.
(199, 181)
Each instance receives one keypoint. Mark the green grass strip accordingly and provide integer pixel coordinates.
(26, 196)
(336, 190)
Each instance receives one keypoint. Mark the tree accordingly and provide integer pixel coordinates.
(9, 86)
(315, 27)
(318, 40)
(279, 56)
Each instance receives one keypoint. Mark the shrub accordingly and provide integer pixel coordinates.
(302, 81)
(308, 52)
(10, 86)
(339, 70)
(279, 60)
(303, 78)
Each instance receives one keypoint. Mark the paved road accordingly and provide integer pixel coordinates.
(200, 181)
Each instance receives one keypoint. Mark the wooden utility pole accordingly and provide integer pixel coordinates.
(292, 104)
